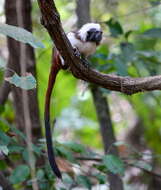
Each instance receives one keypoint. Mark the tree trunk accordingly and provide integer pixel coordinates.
(14, 64)
(83, 12)
(108, 137)
(22, 61)
(101, 103)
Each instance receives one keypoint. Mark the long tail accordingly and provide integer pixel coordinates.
(55, 67)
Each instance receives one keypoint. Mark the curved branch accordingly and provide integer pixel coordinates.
(127, 85)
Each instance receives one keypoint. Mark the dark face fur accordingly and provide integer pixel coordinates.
(94, 35)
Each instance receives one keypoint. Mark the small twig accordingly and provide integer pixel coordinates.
(89, 159)
(146, 171)
(131, 165)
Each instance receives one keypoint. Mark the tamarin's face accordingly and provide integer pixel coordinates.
(86, 39)
(91, 32)
(94, 35)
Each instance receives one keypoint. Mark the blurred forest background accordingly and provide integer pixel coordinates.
(104, 139)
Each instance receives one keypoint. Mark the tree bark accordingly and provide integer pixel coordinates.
(101, 103)
(107, 133)
(5, 90)
(83, 12)
(14, 64)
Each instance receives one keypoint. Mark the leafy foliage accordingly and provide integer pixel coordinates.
(4, 150)
(134, 50)
(20, 174)
(28, 82)
(114, 164)
(153, 33)
(83, 180)
(115, 27)
(20, 34)
(142, 164)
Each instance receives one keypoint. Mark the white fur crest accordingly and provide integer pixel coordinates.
(84, 47)
(85, 28)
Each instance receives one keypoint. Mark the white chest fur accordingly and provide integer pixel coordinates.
(85, 48)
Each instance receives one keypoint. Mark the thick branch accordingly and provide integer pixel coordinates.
(127, 85)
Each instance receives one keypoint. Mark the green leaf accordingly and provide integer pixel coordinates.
(119, 143)
(128, 33)
(4, 149)
(2, 108)
(4, 126)
(66, 153)
(101, 167)
(44, 185)
(84, 180)
(20, 174)
(37, 149)
(67, 179)
(4, 139)
(121, 66)
(101, 56)
(20, 34)
(128, 51)
(101, 178)
(40, 174)
(143, 165)
(19, 133)
(153, 33)
(115, 27)
(3, 165)
(26, 157)
(2, 63)
(14, 148)
(28, 82)
(114, 164)
(75, 147)
(154, 2)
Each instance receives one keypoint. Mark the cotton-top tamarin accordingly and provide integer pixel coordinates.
(85, 41)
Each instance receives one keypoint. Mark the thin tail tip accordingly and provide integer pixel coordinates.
(56, 170)
(58, 175)
(51, 155)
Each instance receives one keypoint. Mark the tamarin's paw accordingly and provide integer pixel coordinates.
(85, 63)
(76, 52)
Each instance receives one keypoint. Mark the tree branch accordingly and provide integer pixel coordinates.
(127, 85)
(131, 165)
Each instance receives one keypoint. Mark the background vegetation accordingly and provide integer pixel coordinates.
(131, 47)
